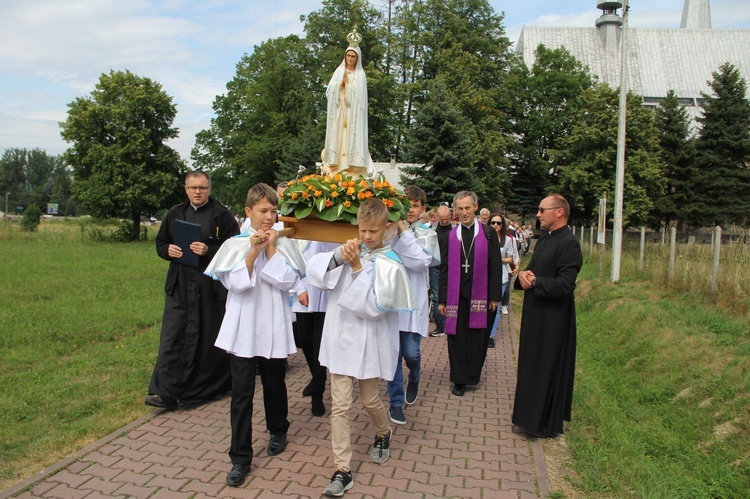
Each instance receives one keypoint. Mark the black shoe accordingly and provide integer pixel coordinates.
(318, 409)
(491, 343)
(236, 477)
(412, 392)
(397, 415)
(161, 402)
(458, 390)
(276, 444)
(308, 391)
(437, 332)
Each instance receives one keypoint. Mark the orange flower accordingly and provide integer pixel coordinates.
(328, 203)
(350, 191)
(376, 184)
(335, 194)
(347, 204)
(363, 184)
(334, 186)
(337, 177)
(368, 194)
(310, 187)
(361, 195)
(305, 194)
(317, 193)
(351, 183)
(294, 196)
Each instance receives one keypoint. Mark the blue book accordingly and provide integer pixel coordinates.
(186, 233)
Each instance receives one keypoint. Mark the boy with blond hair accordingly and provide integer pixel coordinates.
(369, 286)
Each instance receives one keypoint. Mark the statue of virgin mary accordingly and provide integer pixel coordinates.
(346, 125)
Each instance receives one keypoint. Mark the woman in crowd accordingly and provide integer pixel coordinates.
(510, 264)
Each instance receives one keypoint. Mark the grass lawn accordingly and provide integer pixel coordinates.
(79, 329)
(661, 405)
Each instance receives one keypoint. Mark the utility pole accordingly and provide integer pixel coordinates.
(620, 168)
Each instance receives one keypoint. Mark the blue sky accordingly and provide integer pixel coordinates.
(52, 51)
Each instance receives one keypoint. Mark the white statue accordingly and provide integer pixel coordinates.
(346, 125)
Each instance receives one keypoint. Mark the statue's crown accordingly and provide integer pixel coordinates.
(354, 38)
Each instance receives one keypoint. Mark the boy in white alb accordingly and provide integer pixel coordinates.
(310, 310)
(417, 246)
(360, 335)
(258, 268)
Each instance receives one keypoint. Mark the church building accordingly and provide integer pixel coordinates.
(658, 59)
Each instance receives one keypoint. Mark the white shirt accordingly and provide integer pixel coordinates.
(258, 320)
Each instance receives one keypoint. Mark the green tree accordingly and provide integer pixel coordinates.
(439, 140)
(268, 110)
(122, 166)
(463, 42)
(678, 154)
(587, 157)
(544, 101)
(30, 177)
(31, 217)
(723, 149)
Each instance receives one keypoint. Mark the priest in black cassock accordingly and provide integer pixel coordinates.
(547, 348)
(189, 368)
(471, 278)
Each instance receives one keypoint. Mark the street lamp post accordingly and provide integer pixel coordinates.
(621, 134)
(5, 213)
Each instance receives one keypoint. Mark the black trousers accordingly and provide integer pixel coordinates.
(308, 336)
(272, 376)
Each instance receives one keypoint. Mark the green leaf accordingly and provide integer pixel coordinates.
(302, 212)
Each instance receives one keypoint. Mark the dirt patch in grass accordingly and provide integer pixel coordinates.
(557, 456)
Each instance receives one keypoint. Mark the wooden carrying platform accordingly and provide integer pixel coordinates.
(314, 229)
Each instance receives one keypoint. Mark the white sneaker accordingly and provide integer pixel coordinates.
(504, 310)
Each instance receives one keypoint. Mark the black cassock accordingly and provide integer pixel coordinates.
(547, 348)
(189, 367)
(467, 349)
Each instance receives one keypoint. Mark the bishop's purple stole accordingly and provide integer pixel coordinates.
(479, 303)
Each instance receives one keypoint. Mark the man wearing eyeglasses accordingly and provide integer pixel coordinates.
(189, 368)
(547, 347)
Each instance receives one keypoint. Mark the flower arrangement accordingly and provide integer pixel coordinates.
(337, 197)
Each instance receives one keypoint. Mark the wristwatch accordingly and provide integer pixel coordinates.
(533, 282)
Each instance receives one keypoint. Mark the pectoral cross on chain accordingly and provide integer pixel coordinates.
(466, 266)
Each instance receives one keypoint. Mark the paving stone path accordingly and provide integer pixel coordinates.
(450, 447)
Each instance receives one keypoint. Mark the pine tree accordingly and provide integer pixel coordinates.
(678, 154)
(439, 139)
(723, 148)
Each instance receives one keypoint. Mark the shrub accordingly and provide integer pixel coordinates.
(31, 218)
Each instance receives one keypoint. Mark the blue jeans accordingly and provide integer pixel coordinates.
(408, 350)
(496, 324)
(434, 289)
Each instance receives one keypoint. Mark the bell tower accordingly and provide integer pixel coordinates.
(696, 14)
(609, 25)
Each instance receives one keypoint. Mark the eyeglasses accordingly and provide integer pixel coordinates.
(542, 210)
(198, 188)
(495, 222)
